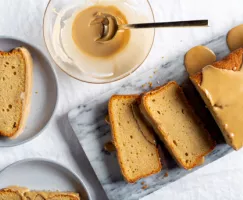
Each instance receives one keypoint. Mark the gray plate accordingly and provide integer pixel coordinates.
(41, 174)
(44, 93)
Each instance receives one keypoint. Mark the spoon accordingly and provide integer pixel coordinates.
(110, 25)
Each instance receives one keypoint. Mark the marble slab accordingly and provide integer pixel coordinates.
(88, 122)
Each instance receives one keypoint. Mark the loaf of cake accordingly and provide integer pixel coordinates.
(221, 87)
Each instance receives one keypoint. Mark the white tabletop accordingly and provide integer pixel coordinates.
(219, 180)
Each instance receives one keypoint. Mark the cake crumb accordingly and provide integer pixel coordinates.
(155, 71)
(55, 11)
(150, 84)
(150, 76)
(109, 147)
(144, 85)
(143, 183)
(145, 187)
(162, 57)
(107, 119)
(166, 174)
(158, 82)
(36, 92)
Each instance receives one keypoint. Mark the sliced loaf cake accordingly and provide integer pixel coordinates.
(167, 109)
(135, 143)
(230, 64)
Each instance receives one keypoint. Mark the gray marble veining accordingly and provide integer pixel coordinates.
(88, 122)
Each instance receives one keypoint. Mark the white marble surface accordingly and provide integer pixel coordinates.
(220, 180)
(88, 122)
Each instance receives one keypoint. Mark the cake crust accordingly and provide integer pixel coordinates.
(231, 62)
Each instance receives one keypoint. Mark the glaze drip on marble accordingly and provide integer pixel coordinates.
(88, 122)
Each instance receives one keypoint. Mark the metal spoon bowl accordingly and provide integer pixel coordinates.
(111, 26)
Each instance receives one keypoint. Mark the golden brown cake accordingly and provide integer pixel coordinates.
(13, 193)
(15, 90)
(229, 68)
(19, 193)
(136, 149)
(168, 111)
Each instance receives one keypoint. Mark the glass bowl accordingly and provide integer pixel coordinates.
(98, 70)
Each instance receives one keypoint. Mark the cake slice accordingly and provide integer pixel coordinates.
(13, 193)
(227, 86)
(15, 91)
(20, 193)
(46, 195)
(168, 111)
(135, 143)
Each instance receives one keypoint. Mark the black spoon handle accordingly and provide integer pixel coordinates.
(191, 23)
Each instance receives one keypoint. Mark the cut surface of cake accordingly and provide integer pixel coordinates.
(15, 90)
(134, 141)
(168, 111)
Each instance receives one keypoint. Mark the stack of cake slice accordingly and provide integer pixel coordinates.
(167, 111)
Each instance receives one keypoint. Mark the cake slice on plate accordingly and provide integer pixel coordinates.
(21, 193)
(13, 193)
(15, 91)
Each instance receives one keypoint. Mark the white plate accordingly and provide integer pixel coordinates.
(44, 93)
(41, 174)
